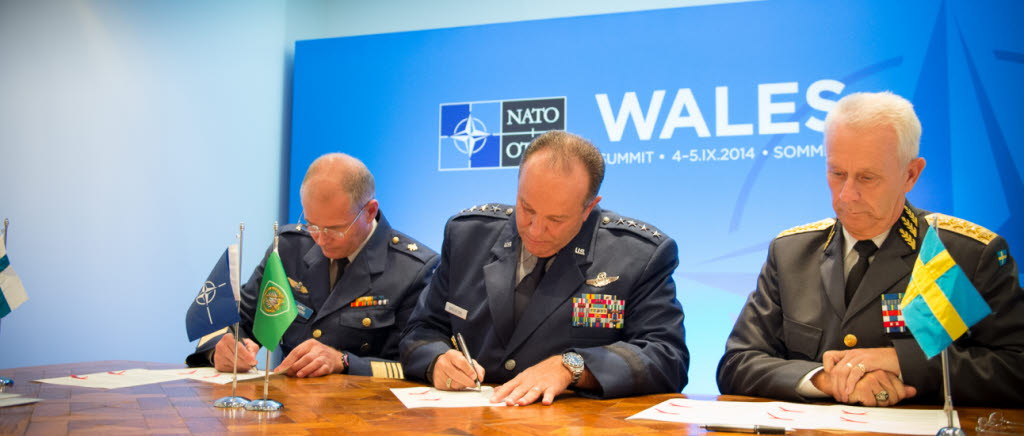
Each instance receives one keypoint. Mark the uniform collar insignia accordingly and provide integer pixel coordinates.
(907, 227)
(580, 251)
(601, 280)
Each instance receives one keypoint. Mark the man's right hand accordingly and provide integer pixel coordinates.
(224, 354)
(452, 372)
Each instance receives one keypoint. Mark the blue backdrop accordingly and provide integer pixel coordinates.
(710, 119)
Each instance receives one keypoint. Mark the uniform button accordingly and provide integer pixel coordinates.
(850, 341)
(317, 333)
(606, 220)
(510, 365)
(508, 211)
(394, 240)
(364, 348)
(367, 322)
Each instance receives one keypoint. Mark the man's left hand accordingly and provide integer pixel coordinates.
(548, 378)
(847, 367)
(312, 359)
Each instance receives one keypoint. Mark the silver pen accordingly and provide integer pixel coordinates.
(756, 429)
(465, 352)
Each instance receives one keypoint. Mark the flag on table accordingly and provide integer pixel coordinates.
(215, 307)
(275, 309)
(12, 293)
(940, 303)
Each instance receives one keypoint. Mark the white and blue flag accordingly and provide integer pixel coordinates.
(215, 307)
(12, 293)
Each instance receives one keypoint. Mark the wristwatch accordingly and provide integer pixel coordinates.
(574, 363)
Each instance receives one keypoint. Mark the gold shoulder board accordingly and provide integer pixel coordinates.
(815, 226)
(961, 226)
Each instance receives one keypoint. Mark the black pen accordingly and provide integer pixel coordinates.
(469, 360)
(757, 429)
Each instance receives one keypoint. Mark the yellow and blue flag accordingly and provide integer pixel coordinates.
(12, 292)
(940, 303)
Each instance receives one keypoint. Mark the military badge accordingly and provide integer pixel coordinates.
(892, 316)
(369, 301)
(1001, 256)
(601, 280)
(598, 310)
(298, 286)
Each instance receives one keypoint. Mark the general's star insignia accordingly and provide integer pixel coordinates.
(631, 223)
(601, 280)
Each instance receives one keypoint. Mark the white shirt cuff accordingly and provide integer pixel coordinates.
(806, 389)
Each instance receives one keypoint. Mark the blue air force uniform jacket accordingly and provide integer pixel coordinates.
(798, 312)
(365, 312)
(608, 295)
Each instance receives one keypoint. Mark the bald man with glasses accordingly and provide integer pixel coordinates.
(355, 281)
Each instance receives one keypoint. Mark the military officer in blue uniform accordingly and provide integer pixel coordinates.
(355, 280)
(554, 293)
(824, 321)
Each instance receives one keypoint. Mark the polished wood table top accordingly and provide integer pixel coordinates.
(337, 404)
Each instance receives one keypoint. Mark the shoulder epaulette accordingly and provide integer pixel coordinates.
(824, 224)
(290, 228)
(961, 226)
(610, 220)
(409, 246)
(492, 210)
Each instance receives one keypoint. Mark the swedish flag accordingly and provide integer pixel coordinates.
(940, 302)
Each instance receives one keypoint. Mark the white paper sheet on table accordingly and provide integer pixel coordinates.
(795, 415)
(11, 399)
(211, 375)
(136, 377)
(414, 398)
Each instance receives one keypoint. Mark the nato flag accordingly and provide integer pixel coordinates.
(215, 307)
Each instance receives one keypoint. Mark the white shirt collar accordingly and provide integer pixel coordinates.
(352, 256)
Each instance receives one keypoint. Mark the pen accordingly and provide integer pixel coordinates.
(758, 429)
(465, 352)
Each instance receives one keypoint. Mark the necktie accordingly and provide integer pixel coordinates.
(864, 249)
(337, 269)
(526, 287)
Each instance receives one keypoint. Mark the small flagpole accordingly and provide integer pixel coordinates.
(950, 429)
(266, 405)
(234, 401)
(266, 371)
(5, 381)
(234, 369)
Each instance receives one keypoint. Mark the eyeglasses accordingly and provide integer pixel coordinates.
(329, 232)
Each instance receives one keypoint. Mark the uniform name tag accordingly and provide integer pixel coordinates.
(304, 311)
(455, 310)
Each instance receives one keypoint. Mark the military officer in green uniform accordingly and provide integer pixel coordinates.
(355, 280)
(822, 322)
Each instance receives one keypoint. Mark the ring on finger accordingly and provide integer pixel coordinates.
(862, 368)
(882, 396)
(448, 383)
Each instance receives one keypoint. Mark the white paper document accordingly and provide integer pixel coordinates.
(211, 375)
(11, 399)
(136, 377)
(414, 398)
(796, 415)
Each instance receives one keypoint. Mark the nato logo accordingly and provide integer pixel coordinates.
(494, 134)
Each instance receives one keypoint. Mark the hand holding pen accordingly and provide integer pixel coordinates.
(452, 372)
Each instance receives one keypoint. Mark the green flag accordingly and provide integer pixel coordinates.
(276, 308)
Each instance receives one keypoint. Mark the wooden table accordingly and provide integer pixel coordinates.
(337, 404)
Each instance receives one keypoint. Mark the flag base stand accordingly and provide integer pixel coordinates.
(264, 406)
(231, 402)
(950, 431)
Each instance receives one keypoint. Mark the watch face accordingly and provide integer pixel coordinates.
(573, 359)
